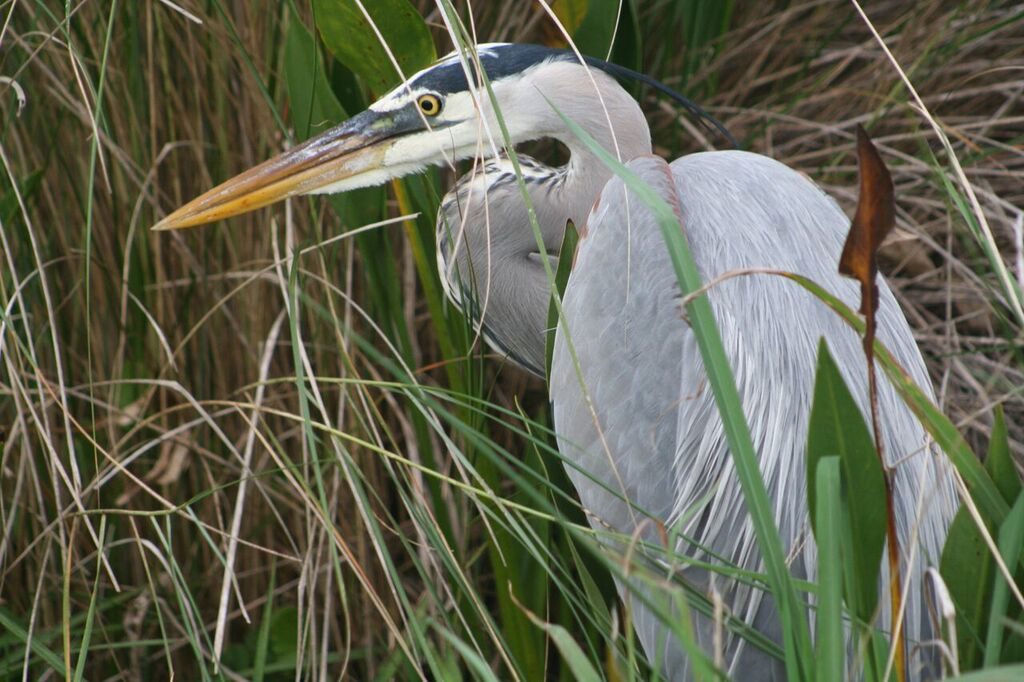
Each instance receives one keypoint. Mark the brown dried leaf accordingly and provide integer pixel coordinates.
(875, 217)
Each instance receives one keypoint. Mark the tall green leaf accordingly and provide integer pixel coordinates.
(350, 30)
(1011, 540)
(595, 32)
(998, 461)
(830, 645)
(837, 428)
(313, 104)
(966, 568)
(704, 23)
(566, 256)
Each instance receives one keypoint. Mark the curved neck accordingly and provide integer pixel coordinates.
(607, 113)
(487, 249)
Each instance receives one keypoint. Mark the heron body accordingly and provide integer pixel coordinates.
(635, 418)
(666, 448)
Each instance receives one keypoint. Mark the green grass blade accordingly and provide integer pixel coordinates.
(259, 663)
(476, 664)
(90, 613)
(998, 462)
(574, 657)
(566, 256)
(830, 644)
(13, 627)
(1011, 540)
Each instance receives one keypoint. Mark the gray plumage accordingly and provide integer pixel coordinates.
(660, 443)
(470, 235)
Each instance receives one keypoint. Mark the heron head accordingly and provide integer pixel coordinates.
(439, 115)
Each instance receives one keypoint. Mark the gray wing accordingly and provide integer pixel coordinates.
(640, 419)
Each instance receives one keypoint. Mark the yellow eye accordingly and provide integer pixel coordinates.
(430, 105)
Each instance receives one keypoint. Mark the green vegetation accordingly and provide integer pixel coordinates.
(271, 446)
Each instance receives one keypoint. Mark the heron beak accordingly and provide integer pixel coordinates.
(345, 151)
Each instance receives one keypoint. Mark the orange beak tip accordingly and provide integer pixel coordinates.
(172, 222)
(312, 166)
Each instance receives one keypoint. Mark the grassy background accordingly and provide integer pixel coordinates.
(387, 497)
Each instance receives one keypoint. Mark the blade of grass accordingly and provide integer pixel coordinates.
(830, 644)
(90, 613)
(1011, 540)
(476, 664)
(578, 663)
(263, 637)
(50, 657)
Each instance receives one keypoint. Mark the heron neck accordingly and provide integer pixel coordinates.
(620, 129)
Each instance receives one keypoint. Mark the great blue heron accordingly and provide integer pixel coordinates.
(645, 433)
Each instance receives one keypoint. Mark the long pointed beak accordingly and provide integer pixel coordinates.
(350, 149)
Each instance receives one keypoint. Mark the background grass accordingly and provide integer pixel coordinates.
(291, 398)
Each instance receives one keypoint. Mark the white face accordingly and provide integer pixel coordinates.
(443, 127)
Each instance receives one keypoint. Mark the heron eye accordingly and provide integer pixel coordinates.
(430, 105)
